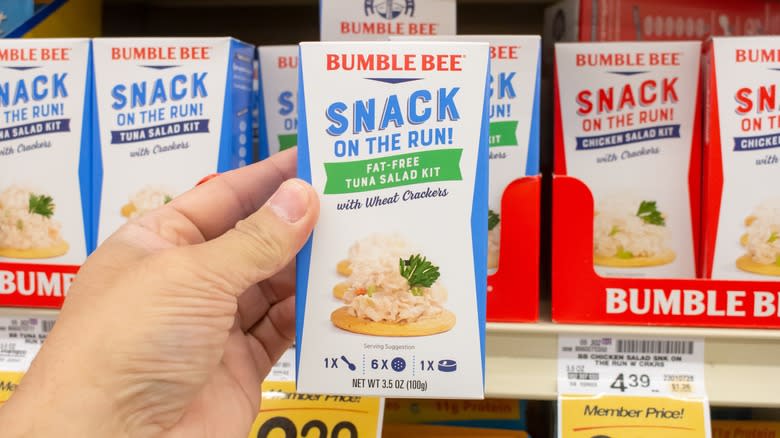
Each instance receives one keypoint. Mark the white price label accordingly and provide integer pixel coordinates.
(284, 369)
(20, 340)
(630, 365)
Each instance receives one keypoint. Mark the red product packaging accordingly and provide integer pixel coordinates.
(580, 295)
(657, 20)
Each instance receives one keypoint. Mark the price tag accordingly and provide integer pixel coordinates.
(287, 414)
(612, 416)
(631, 387)
(20, 340)
(630, 365)
(284, 369)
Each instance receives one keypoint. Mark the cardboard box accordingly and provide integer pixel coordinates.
(168, 112)
(13, 13)
(627, 126)
(514, 118)
(656, 20)
(391, 286)
(742, 134)
(348, 20)
(45, 168)
(278, 98)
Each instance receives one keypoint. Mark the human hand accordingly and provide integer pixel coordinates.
(174, 321)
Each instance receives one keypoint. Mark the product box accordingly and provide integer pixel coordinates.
(45, 169)
(645, 20)
(391, 286)
(166, 104)
(13, 13)
(742, 134)
(627, 125)
(514, 118)
(278, 98)
(349, 20)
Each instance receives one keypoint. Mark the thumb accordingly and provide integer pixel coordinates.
(262, 244)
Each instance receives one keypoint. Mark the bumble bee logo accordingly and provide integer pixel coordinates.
(7, 386)
(389, 9)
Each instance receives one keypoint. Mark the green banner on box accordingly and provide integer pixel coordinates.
(286, 141)
(503, 133)
(393, 171)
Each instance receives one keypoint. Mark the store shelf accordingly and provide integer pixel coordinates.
(202, 3)
(741, 366)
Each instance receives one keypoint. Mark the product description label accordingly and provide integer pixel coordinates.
(284, 369)
(283, 412)
(20, 340)
(630, 365)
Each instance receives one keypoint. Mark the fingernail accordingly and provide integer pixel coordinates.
(291, 201)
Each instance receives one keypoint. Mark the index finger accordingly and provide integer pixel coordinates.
(217, 205)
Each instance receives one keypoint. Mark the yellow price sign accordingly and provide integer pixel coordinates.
(8, 383)
(287, 414)
(615, 416)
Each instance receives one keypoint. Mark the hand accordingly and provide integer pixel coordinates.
(174, 321)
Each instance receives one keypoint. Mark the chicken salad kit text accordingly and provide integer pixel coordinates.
(166, 104)
(391, 285)
(44, 168)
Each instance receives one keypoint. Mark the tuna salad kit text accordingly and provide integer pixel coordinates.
(45, 173)
(400, 161)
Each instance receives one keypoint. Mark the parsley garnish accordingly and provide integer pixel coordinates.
(615, 229)
(493, 219)
(623, 254)
(772, 237)
(648, 212)
(419, 273)
(168, 199)
(41, 204)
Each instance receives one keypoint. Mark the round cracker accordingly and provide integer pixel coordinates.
(127, 210)
(340, 289)
(747, 264)
(492, 259)
(440, 323)
(344, 268)
(56, 250)
(664, 258)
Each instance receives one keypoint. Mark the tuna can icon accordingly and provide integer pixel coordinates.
(447, 365)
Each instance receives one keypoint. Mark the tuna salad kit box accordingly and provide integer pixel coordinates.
(350, 20)
(627, 127)
(278, 97)
(391, 285)
(166, 104)
(742, 134)
(44, 168)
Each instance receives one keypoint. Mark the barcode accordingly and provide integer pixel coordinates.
(654, 347)
(583, 376)
(47, 325)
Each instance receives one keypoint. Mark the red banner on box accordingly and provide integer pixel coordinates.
(35, 285)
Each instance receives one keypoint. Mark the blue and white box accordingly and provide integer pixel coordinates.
(45, 169)
(168, 111)
(391, 286)
(13, 13)
(278, 98)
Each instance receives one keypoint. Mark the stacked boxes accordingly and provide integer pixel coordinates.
(278, 98)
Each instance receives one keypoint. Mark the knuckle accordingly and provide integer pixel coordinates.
(264, 245)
